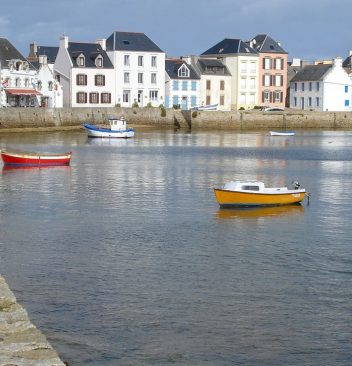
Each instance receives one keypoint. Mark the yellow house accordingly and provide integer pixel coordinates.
(243, 63)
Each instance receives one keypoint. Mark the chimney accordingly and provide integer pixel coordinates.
(33, 49)
(187, 59)
(102, 43)
(338, 62)
(43, 59)
(64, 41)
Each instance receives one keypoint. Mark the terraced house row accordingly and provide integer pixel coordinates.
(128, 69)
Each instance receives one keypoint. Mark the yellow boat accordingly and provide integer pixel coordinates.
(253, 193)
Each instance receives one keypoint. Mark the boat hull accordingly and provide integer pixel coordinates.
(30, 159)
(94, 131)
(279, 133)
(227, 198)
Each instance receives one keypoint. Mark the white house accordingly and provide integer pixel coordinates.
(85, 73)
(242, 62)
(139, 69)
(215, 82)
(182, 87)
(321, 87)
(17, 78)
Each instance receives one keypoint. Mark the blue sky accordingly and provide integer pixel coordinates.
(307, 29)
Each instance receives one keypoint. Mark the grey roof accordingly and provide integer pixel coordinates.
(264, 43)
(172, 67)
(90, 52)
(212, 67)
(230, 46)
(48, 51)
(312, 73)
(130, 41)
(9, 52)
(348, 62)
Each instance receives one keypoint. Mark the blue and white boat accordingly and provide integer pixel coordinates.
(118, 129)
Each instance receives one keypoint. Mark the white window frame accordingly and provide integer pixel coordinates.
(153, 78)
(183, 71)
(126, 77)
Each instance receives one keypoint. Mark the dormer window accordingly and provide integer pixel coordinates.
(183, 71)
(81, 61)
(99, 61)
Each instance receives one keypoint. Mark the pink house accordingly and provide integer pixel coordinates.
(272, 86)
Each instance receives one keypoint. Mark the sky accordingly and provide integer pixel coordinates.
(306, 29)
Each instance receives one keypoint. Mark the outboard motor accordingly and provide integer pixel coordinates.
(296, 184)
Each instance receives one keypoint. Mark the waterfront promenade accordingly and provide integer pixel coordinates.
(21, 343)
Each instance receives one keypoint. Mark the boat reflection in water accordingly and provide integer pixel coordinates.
(258, 212)
(12, 168)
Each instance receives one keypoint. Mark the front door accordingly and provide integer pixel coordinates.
(140, 98)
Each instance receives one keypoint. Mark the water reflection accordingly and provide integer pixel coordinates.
(258, 212)
(14, 168)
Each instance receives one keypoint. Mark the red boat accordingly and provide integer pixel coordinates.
(22, 158)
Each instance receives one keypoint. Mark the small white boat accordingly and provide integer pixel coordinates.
(118, 129)
(209, 107)
(282, 133)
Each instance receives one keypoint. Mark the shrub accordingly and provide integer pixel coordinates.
(194, 114)
(135, 104)
(162, 111)
(241, 109)
(176, 106)
(149, 105)
(118, 105)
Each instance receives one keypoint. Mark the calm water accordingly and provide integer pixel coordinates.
(124, 258)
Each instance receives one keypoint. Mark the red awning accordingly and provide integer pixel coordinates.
(22, 91)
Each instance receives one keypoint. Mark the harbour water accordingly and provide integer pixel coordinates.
(124, 258)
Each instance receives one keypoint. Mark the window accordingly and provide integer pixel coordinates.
(252, 98)
(310, 86)
(207, 99)
(278, 64)
(309, 101)
(194, 85)
(26, 83)
(243, 84)
(222, 99)
(278, 80)
(126, 77)
(183, 71)
(105, 98)
(99, 80)
(253, 67)
(126, 96)
(243, 66)
(153, 95)
(39, 85)
(208, 84)
(267, 80)
(252, 83)
(80, 61)
(318, 85)
(193, 101)
(99, 61)
(266, 96)
(295, 87)
(175, 85)
(50, 85)
(175, 101)
(346, 88)
(243, 98)
(347, 103)
(317, 102)
(295, 101)
(18, 82)
(277, 96)
(126, 60)
(94, 98)
(222, 84)
(153, 78)
(81, 79)
(140, 78)
(302, 86)
(81, 97)
(267, 63)
(184, 85)
(153, 61)
(140, 61)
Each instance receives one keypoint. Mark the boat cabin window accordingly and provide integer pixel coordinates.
(250, 188)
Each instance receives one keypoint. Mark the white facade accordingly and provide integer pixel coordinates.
(244, 83)
(139, 78)
(332, 92)
(86, 79)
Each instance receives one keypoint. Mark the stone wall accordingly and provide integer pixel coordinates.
(21, 343)
(238, 120)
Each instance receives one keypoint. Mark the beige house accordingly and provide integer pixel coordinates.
(242, 61)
